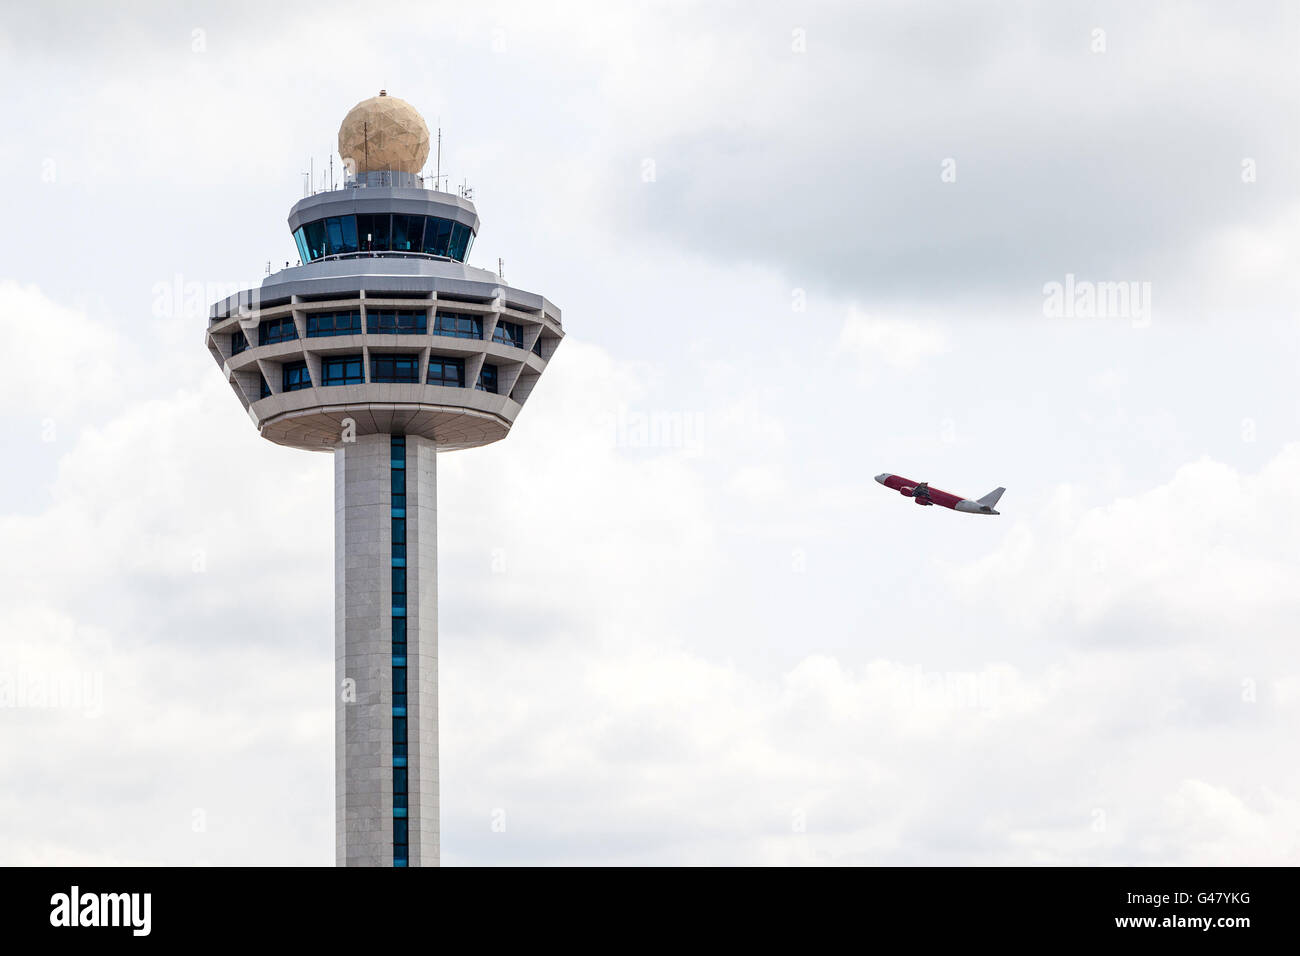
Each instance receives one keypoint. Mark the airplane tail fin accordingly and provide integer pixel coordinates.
(991, 499)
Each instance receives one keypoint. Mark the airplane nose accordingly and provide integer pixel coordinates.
(881, 477)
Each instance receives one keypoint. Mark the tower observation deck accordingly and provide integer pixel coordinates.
(384, 347)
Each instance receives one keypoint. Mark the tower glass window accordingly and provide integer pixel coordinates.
(399, 539)
(296, 376)
(238, 341)
(509, 333)
(447, 371)
(399, 686)
(460, 237)
(315, 238)
(487, 379)
(437, 236)
(458, 325)
(397, 322)
(341, 370)
(408, 233)
(265, 390)
(383, 232)
(321, 324)
(400, 847)
(341, 234)
(276, 330)
(372, 231)
(403, 369)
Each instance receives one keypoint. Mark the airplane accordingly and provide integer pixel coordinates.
(923, 494)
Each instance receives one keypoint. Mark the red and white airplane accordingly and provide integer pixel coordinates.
(923, 494)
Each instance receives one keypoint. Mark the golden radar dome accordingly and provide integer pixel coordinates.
(384, 133)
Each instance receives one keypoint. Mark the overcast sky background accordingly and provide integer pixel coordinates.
(722, 643)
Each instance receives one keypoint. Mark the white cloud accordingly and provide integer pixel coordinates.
(57, 361)
(897, 343)
(1209, 553)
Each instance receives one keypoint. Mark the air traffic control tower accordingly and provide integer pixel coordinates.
(384, 348)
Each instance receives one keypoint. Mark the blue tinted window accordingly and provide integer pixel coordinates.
(408, 232)
(372, 231)
(333, 323)
(296, 376)
(341, 234)
(266, 389)
(459, 241)
(238, 342)
(509, 333)
(537, 346)
(437, 236)
(399, 686)
(399, 322)
(447, 371)
(276, 330)
(300, 240)
(315, 233)
(458, 325)
(395, 368)
(341, 370)
(487, 379)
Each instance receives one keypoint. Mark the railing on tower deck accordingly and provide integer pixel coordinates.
(386, 181)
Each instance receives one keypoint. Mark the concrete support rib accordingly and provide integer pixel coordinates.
(363, 652)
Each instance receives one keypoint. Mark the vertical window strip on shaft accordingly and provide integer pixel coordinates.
(397, 516)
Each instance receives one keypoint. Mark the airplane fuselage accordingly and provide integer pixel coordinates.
(923, 494)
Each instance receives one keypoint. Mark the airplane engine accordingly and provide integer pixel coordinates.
(922, 501)
(906, 492)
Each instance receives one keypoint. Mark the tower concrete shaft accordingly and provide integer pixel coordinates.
(386, 651)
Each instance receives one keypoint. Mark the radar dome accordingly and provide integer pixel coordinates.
(384, 133)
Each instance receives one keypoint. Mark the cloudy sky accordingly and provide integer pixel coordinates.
(795, 245)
